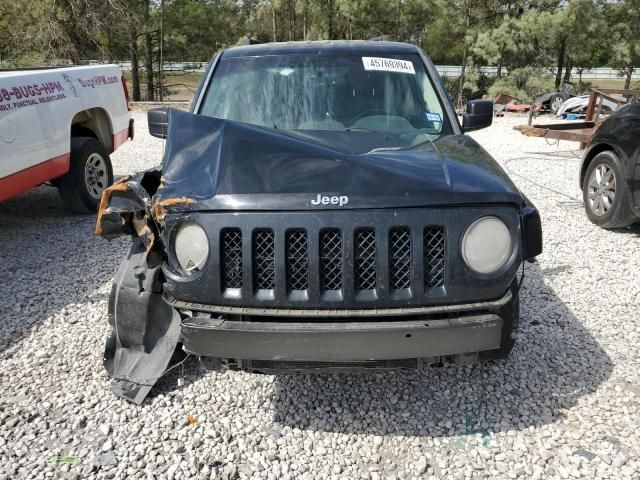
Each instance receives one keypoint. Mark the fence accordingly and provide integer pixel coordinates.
(602, 73)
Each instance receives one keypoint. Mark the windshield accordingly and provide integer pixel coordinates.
(327, 95)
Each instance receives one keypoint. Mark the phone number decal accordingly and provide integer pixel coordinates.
(19, 92)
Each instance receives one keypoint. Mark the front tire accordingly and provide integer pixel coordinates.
(605, 193)
(89, 175)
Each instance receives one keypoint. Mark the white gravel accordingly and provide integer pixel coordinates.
(565, 405)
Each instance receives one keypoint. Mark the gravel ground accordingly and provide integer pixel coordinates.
(565, 404)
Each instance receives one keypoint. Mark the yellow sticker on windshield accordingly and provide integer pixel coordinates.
(388, 65)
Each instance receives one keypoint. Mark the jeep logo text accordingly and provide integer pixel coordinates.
(341, 200)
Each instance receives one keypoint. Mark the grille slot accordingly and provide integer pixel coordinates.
(330, 260)
(434, 256)
(231, 246)
(365, 259)
(400, 258)
(297, 260)
(264, 268)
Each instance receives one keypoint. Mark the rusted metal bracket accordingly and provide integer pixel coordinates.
(573, 132)
(581, 131)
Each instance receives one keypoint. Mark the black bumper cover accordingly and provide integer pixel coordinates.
(341, 342)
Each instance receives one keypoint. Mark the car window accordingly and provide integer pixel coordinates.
(345, 92)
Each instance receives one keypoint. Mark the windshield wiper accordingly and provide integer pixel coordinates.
(410, 147)
(358, 129)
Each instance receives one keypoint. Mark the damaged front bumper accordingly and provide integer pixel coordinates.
(276, 338)
(148, 327)
(340, 342)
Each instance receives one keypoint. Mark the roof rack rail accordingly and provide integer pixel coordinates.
(383, 38)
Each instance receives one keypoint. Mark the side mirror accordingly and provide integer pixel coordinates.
(479, 115)
(158, 120)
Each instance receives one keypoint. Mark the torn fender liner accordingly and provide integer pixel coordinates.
(145, 331)
(125, 208)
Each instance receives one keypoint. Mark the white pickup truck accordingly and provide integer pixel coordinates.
(60, 125)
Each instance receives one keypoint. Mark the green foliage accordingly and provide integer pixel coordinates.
(23, 34)
(498, 44)
(444, 36)
(583, 87)
(26, 60)
(523, 83)
(551, 35)
(451, 84)
(197, 30)
(476, 84)
(624, 18)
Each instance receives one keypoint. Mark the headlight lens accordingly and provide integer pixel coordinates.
(487, 245)
(191, 247)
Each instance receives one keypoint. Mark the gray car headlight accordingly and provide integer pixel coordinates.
(487, 245)
(191, 247)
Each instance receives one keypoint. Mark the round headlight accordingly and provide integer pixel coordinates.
(487, 245)
(191, 247)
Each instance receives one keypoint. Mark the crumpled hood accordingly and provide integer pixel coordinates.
(215, 164)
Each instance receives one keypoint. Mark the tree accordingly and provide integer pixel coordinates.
(497, 45)
(625, 20)
(510, 34)
(195, 30)
(467, 11)
(24, 32)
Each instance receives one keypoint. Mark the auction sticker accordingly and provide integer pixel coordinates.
(388, 65)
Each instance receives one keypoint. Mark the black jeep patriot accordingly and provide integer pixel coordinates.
(319, 208)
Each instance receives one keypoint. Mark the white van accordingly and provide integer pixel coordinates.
(60, 125)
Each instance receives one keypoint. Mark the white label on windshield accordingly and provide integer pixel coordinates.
(388, 65)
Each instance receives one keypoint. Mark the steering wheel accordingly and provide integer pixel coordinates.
(367, 113)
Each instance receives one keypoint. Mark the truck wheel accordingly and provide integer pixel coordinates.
(89, 174)
(604, 191)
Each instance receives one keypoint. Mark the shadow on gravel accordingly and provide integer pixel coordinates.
(633, 229)
(555, 362)
(50, 260)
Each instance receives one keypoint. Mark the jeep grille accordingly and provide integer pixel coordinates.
(340, 259)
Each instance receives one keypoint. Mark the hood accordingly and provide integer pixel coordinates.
(215, 164)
